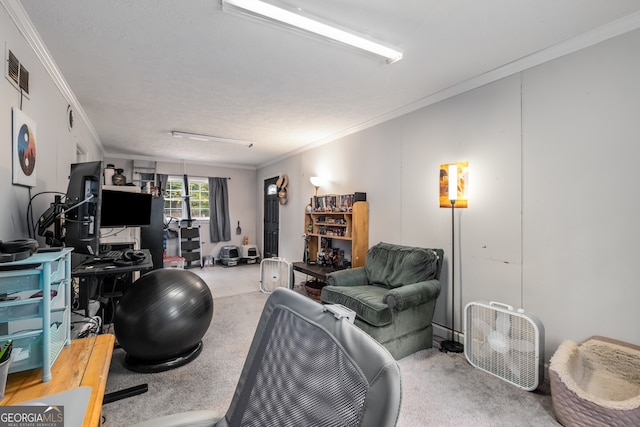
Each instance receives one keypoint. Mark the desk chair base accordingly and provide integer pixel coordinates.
(147, 367)
(125, 393)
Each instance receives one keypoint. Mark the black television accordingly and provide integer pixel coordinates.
(125, 209)
(82, 208)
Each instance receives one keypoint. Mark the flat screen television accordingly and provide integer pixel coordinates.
(82, 208)
(125, 209)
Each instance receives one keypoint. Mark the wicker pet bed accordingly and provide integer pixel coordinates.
(596, 383)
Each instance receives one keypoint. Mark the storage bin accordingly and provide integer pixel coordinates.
(37, 316)
(28, 341)
(26, 305)
(173, 262)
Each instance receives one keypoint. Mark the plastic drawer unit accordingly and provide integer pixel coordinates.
(35, 309)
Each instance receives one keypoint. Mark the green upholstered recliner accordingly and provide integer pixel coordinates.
(394, 295)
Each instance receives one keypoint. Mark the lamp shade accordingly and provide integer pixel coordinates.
(316, 181)
(454, 184)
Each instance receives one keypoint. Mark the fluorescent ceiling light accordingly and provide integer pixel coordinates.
(286, 17)
(208, 138)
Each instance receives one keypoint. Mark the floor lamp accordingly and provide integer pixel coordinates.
(452, 345)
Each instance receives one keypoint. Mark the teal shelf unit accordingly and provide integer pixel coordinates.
(35, 311)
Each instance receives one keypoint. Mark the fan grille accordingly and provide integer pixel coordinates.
(275, 273)
(504, 343)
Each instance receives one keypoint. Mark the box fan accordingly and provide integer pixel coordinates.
(506, 343)
(275, 273)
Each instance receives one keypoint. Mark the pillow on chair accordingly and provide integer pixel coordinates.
(393, 266)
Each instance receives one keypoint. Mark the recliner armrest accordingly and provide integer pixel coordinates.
(407, 296)
(349, 277)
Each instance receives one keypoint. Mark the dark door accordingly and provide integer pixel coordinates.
(271, 218)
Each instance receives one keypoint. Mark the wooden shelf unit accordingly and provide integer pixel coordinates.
(351, 226)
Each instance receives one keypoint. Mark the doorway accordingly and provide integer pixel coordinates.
(271, 218)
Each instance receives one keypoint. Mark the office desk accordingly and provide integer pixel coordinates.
(90, 274)
(85, 363)
(105, 269)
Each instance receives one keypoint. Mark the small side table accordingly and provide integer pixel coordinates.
(319, 272)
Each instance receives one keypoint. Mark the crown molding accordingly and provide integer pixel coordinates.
(22, 21)
(175, 160)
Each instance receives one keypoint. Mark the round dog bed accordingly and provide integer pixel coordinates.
(596, 383)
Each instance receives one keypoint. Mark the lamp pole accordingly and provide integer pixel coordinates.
(452, 345)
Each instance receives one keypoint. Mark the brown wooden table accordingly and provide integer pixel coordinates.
(317, 271)
(84, 363)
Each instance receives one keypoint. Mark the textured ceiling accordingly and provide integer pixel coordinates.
(143, 68)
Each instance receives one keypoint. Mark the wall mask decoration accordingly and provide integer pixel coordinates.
(24, 149)
(282, 183)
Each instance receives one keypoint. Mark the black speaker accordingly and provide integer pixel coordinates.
(152, 237)
(359, 197)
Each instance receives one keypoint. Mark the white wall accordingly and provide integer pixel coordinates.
(55, 143)
(483, 128)
(547, 228)
(580, 207)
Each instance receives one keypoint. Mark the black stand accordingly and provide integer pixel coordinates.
(147, 367)
(452, 345)
(125, 393)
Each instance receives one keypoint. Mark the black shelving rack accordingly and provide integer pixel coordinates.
(190, 243)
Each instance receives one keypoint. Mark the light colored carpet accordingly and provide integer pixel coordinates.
(207, 382)
(439, 389)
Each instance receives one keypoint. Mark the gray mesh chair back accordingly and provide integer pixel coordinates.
(307, 368)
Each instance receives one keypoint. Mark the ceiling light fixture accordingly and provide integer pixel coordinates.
(208, 138)
(291, 19)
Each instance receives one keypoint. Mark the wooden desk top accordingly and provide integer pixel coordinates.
(84, 363)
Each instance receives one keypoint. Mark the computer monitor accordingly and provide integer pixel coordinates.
(125, 209)
(82, 208)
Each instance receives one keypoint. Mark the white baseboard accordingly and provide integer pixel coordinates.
(445, 333)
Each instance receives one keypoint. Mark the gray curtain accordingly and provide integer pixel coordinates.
(219, 221)
(161, 182)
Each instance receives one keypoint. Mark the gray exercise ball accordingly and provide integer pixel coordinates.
(161, 319)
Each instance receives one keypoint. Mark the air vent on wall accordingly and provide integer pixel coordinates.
(17, 74)
(24, 79)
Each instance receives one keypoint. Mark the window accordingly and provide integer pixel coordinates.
(174, 205)
(199, 200)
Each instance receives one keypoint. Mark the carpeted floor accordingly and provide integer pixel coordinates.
(438, 388)
(206, 383)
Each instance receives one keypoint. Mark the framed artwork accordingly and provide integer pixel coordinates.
(24, 149)
(462, 185)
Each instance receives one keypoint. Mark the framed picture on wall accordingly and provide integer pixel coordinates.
(24, 149)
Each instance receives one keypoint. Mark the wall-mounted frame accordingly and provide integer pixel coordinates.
(24, 149)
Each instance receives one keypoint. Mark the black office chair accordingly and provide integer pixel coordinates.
(306, 367)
